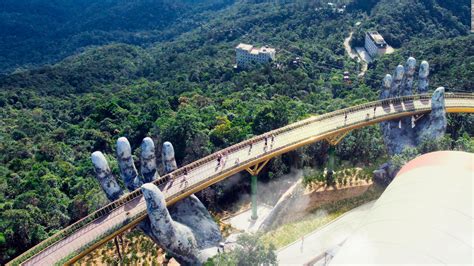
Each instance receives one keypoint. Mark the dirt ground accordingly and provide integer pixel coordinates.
(136, 248)
(323, 194)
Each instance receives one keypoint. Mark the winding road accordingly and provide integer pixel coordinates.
(353, 54)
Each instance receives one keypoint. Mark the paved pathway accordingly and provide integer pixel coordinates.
(323, 239)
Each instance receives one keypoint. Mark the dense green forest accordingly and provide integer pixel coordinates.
(38, 32)
(183, 88)
(402, 20)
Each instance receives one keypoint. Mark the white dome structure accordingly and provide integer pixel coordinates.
(423, 217)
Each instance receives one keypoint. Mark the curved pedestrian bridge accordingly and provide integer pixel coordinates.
(80, 238)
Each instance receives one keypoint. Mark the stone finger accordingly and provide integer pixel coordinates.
(167, 155)
(104, 175)
(397, 81)
(128, 172)
(386, 85)
(438, 108)
(435, 125)
(423, 81)
(407, 86)
(148, 160)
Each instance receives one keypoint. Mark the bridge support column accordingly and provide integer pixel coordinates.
(331, 159)
(253, 188)
(117, 246)
(254, 171)
(333, 141)
(331, 163)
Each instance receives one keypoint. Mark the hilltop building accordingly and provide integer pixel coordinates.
(375, 44)
(246, 54)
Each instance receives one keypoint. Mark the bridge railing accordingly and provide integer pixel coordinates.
(189, 168)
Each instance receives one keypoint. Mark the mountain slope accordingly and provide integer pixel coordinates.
(35, 32)
(115, 63)
(451, 62)
(402, 20)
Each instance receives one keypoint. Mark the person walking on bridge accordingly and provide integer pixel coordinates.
(219, 159)
(224, 158)
(170, 182)
(185, 178)
(272, 141)
(266, 144)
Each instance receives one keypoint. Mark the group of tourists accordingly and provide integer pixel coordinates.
(172, 178)
(221, 159)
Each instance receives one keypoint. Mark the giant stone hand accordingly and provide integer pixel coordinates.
(411, 131)
(186, 230)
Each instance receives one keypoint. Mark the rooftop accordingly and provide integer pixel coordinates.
(254, 50)
(377, 38)
(243, 46)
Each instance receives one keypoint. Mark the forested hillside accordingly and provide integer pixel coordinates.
(451, 61)
(35, 32)
(185, 90)
(402, 20)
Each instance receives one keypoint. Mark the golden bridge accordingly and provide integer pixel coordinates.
(89, 233)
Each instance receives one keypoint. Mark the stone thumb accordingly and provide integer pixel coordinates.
(435, 126)
(160, 218)
(172, 235)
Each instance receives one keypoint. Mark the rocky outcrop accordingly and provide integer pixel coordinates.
(186, 230)
(385, 174)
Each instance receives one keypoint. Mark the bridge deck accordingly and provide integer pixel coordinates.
(99, 227)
